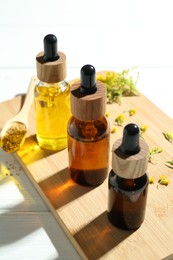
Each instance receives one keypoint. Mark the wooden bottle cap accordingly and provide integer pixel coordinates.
(51, 71)
(88, 106)
(130, 166)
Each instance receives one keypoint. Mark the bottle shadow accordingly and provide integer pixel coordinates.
(60, 189)
(57, 185)
(100, 236)
(96, 238)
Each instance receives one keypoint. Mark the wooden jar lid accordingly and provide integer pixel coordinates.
(130, 166)
(88, 106)
(51, 71)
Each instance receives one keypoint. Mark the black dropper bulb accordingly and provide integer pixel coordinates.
(50, 48)
(88, 79)
(130, 142)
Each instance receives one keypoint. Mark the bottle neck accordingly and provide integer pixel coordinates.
(101, 119)
(46, 84)
(62, 85)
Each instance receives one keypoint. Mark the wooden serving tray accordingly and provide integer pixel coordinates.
(82, 211)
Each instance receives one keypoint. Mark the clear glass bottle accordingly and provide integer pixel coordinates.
(52, 97)
(128, 181)
(88, 131)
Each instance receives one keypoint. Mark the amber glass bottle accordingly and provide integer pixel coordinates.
(52, 97)
(128, 181)
(88, 130)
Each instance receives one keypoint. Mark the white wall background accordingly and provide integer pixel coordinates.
(108, 34)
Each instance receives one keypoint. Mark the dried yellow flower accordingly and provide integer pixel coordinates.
(107, 114)
(151, 180)
(143, 129)
(114, 130)
(132, 112)
(163, 180)
(120, 119)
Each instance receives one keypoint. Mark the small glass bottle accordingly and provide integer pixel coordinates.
(88, 130)
(52, 97)
(128, 181)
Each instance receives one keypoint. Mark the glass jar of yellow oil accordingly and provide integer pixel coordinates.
(52, 97)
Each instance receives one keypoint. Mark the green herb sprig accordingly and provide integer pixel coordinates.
(169, 164)
(119, 85)
(169, 136)
(152, 152)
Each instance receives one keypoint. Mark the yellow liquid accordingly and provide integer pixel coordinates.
(52, 104)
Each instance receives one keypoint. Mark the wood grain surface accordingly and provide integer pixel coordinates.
(82, 211)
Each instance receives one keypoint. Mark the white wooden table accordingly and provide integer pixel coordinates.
(107, 34)
(27, 228)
